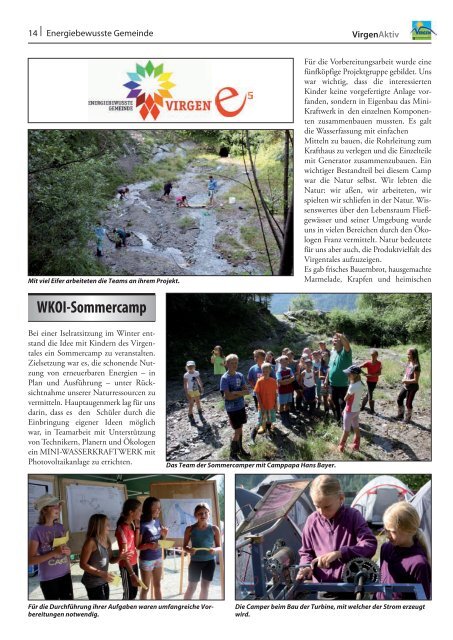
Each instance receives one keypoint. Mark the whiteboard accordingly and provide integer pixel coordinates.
(36, 488)
(177, 514)
(83, 500)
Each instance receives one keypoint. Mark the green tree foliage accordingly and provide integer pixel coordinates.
(197, 322)
(411, 311)
(384, 319)
(302, 301)
(329, 301)
(267, 156)
(350, 483)
(414, 481)
(71, 178)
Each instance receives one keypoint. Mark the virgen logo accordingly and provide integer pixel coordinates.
(421, 30)
(150, 86)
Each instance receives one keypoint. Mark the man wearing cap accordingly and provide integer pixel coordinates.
(53, 561)
(340, 359)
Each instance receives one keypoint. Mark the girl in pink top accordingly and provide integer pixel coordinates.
(374, 370)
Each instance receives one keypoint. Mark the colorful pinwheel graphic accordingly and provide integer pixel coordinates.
(149, 85)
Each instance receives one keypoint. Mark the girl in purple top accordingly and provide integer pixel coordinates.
(53, 562)
(405, 558)
(333, 535)
(151, 531)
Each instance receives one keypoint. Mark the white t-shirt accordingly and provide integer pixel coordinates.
(192, 378)
(309, 379)
(354, 403)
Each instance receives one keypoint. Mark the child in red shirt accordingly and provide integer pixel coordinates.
(374, 370)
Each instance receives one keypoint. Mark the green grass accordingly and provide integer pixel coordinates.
(242, 194)
(253, 236)
(230, 248)
(263, 450)
(163, 171)
(392, 371)
(187, 222)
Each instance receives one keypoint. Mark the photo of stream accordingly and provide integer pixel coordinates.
(161, 202)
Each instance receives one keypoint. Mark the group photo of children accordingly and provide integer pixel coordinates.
(347, 537)
(331, 388)
(91, 540)
(160, 202)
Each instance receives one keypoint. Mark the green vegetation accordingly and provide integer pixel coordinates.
(242, 322)
(350, 483)
(281, 302)
(380, 320)
(72, 176)
(302, 301)
(197, 322)
(163, 171)
(230, 248)
(187, 222)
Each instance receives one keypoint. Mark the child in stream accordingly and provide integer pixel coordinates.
(212, 188)
(120, 237)
(122, 192)
(100, 233)
(168, 186)
(181, 202)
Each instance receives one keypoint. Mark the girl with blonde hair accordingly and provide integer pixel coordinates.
(332, 535)
(405, 557)
(53, 562)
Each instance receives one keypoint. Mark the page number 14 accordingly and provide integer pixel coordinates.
(34, 33)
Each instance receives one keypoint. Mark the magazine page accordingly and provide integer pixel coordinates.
(225, 274)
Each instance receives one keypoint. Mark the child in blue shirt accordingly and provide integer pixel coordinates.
(212, 188)
(234, 388)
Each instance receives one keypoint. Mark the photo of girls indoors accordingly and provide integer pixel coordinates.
(126, 537)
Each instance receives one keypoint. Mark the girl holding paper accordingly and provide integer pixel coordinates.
(204, 541)
(95, 557)
(151, 531)
(52, 559)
